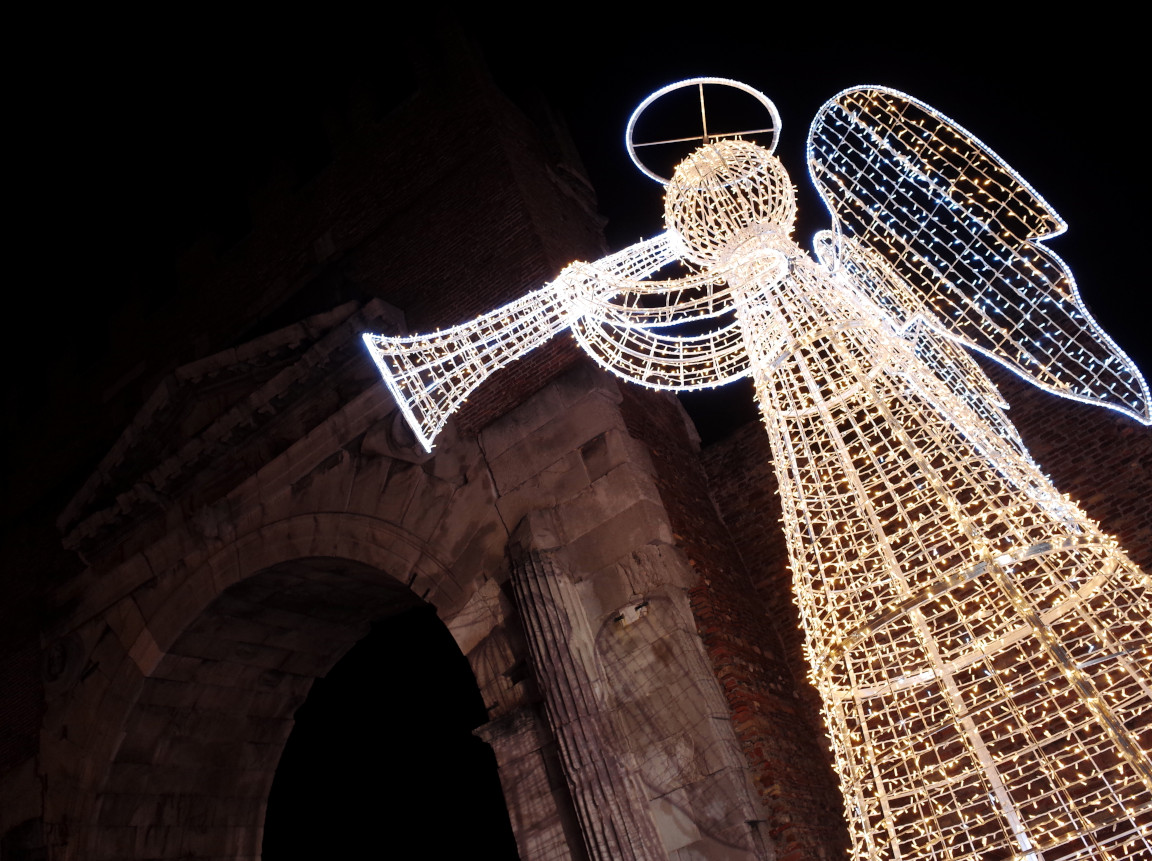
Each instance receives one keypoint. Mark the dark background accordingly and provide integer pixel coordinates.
(166, 134)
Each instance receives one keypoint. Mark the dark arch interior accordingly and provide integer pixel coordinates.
(393, 762)
(382, 761)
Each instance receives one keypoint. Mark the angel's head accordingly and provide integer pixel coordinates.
(722, 192)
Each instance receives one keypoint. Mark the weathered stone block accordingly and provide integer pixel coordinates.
(428, 504)
(722, 809)
(218, 624)
(224, 568)
(150, 731)
(215, 698)
(687, 840)
(645, 571)
(93, 592)
(113, 842)
(439, 589)
(517, 424)
(304, 664)
(554, 439)
(316, 637)
(209, 646)
(639, 524)
(472, 505)
(605, 500)
(119, 809)
(614, 447)
(160, 841)
(382, 545)
(559, 482)
(145, 652)
(484, 610)
(177, 669)
(673, 822)
(368, 483)
(403, 480)
(455, 456)
(326, 486)
(483, 556)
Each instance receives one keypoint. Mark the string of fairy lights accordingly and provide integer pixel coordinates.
(982, 650)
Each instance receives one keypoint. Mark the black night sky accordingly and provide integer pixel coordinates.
(178, 130)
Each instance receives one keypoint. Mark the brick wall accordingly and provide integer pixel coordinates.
(20, 706)
(448, 205)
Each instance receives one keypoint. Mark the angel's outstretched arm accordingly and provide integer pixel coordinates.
(641, 355)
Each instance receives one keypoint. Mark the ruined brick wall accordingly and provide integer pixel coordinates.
(749, 633)
(445, 203)
(1101, 459)
(435, 193)
(20, 706)
(446, 208)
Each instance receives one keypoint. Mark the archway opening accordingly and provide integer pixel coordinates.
(382, 756)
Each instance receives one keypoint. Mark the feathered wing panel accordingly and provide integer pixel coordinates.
(962, 231)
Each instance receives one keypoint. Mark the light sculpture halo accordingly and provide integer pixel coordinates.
(631, 145)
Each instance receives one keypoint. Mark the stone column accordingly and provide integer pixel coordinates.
(609, 800)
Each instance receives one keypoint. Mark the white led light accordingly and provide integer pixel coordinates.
(981, 648)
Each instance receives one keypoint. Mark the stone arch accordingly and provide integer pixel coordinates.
(193, 676)
(158, 601)
(201, 743)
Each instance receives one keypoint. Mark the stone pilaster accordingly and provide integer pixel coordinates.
(609, 800)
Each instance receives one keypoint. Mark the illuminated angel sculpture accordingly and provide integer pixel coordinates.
(983, 651)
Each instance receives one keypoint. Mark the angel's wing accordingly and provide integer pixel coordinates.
(962, 230)
(964, 377)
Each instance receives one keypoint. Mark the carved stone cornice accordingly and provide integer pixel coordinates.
(214, 422)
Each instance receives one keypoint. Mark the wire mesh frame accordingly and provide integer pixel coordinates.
(981, 649)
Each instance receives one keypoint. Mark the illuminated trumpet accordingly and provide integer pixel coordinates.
(431, 375)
